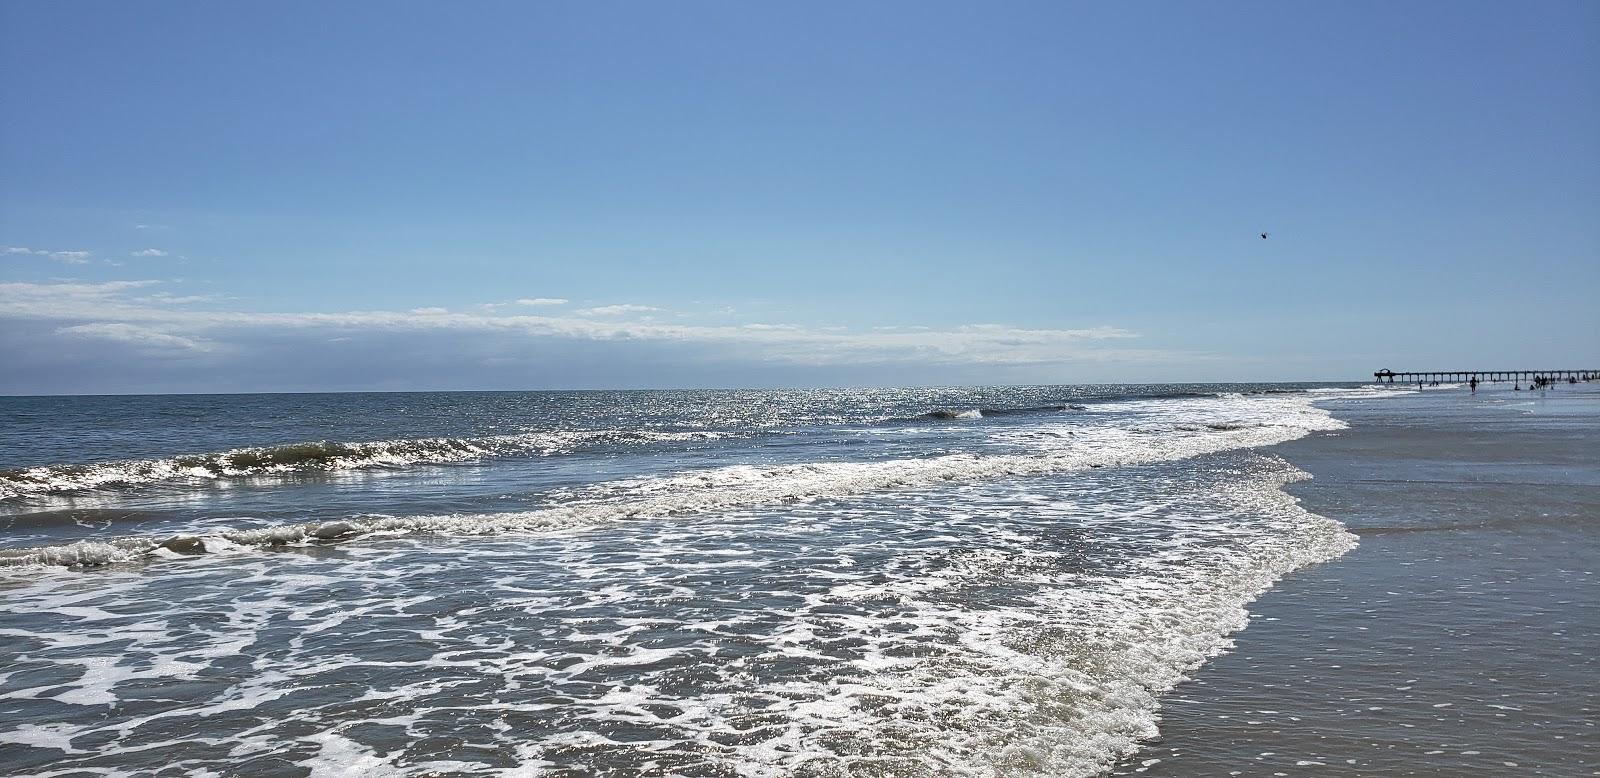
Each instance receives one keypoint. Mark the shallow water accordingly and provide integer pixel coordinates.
(811, 583)
(1458, 639)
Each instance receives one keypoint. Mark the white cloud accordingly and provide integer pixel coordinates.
(130, 312)
(135, 335)
(68, 257)
(167, 298)
(617, 310)
(542, 301)
(25, 300)
(149, 253)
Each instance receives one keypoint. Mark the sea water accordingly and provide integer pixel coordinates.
(830, 582)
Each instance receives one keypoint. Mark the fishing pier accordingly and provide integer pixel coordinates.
(1485, 376)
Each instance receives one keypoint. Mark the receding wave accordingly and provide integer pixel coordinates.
(712, 490)
(311, 456)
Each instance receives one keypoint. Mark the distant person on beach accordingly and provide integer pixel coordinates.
(1474, 384)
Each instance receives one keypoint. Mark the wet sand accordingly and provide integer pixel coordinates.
(1460, 638)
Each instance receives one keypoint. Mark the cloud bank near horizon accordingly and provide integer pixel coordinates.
(137, 335)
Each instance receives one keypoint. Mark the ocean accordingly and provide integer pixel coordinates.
(993, 581)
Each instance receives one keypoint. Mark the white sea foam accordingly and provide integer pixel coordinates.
(994, 626)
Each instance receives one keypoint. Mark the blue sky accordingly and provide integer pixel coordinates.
(299, 196)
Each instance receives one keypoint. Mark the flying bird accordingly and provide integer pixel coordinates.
(1263, 236)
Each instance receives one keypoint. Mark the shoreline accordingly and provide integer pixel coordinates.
(1455, 640)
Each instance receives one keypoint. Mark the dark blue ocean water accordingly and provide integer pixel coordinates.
(880, 581)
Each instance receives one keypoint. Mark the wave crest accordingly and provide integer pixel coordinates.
(946, 414)
(311, 456)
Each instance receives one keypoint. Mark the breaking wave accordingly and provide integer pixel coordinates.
(989, 413)
(325, 456)
(313, 456)
(971, 413)
(721, 489)
(949, 414)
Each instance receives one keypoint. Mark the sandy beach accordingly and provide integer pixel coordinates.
(1458, 639)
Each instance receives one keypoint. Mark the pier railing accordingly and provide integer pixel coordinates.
(1429, 376)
